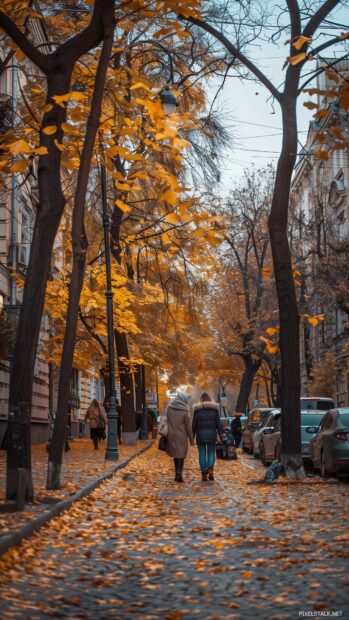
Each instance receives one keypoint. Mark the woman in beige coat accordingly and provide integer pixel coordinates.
(98, 420)
(179, 431)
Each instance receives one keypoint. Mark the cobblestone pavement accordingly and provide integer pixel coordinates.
(81, 465)
(142, 546)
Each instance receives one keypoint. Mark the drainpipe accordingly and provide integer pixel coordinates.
(13, 245)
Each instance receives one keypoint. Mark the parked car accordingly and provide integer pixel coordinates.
(258, 435)
(270, 446)
(254, 419)
(316, 403)
(329, 448)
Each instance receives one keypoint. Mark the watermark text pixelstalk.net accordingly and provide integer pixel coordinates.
(320, 614)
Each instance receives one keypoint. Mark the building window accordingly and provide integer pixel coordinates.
(341, 320)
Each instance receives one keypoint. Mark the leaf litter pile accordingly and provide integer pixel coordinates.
(81, 465)
(143, 546)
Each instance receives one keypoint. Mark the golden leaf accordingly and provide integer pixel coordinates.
(41, 150)
(169, 196)
(19, 166)
(58, 145)
(49, 130)
(123, 206)
(322, 155)
(273, 330)
(20, 146)
(300, 41)
(295, 60)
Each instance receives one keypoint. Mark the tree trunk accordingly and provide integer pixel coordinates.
(49, 212)
(246, 383)
(128, 415)
(79, 244)
(291, 457)
(138, 387)
(129, 427)
(58, 68)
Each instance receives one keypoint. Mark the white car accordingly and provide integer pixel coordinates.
(257, 438)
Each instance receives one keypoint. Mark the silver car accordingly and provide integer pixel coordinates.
(258, 435)
(270, 445)
(329, 448)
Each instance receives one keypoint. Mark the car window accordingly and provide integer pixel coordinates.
(316, 405)
(277, 424)
(326, 422)
(269, 420)
(344, 418)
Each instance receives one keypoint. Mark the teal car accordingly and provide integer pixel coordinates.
(310, 422)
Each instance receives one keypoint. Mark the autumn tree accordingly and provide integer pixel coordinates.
(324, 377)
(301, 25)
(244, 295)
(57, 66)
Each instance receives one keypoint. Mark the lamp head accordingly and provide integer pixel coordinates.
(168, 100)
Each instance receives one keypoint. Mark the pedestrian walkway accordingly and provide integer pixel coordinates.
(142, 546)
(81, 465)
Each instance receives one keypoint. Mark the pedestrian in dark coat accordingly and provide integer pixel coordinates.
(236, 429)
(179, 432)
(98, 420)
(206, 425)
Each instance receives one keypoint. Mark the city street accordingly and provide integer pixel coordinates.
(143, 546)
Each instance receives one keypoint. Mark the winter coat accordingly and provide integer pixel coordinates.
(179, 429)
(94, 409)
(206, 422)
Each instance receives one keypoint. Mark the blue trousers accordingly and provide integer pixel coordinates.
(207, 455)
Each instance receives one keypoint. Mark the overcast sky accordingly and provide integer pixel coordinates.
(254, 119)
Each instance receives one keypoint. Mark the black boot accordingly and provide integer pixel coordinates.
(95, 443)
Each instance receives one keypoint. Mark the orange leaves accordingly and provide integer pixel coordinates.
(314, 320)
(320, 154)
(49, 130)
(269, 345)
(169, 196)
(19, 166)
(297, 59)
(19, 147)
(123, 206)
(300, 42)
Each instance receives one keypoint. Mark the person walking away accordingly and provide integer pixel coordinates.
(179, 431)
(98, 421)
(206, 425)
(236, 429)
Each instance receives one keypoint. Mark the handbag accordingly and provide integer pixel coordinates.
(100, 422)
(163, 443)
(162, 426)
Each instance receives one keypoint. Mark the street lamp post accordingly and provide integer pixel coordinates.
(112, 450)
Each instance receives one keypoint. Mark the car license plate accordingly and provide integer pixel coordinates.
(305, 450)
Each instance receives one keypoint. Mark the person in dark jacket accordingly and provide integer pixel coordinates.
(236, 429)
(206, 425)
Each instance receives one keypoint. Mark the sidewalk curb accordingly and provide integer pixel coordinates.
(15, 538)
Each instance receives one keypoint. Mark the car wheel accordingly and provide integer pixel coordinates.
(323, 470)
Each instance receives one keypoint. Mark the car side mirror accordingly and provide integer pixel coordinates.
(268, 430)
(312, 429)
